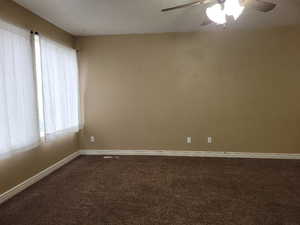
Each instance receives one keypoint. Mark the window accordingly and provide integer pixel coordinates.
(39, 93)
(58, 87)
(19, 128)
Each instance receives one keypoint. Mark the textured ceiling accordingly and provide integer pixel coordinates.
(98, 17)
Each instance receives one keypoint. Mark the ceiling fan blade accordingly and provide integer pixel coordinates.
(188, 5)
(260, 5)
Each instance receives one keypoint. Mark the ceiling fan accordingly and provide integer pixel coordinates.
(218, 11)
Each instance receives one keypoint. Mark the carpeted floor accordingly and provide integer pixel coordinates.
(144, 190)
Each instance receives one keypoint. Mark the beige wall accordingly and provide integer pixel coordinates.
(151, 91)
(19, 167)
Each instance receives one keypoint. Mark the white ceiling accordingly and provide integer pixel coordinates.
(98, 17)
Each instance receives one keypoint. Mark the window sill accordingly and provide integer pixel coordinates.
(59, 134)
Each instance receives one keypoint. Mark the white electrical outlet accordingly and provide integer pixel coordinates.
(189, 140)
(209, 140)
(92, 139)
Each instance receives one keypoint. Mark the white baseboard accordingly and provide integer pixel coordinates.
(192, 154)
(17, 189)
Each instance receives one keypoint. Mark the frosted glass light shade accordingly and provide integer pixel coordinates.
(233, 8)
(216, 14)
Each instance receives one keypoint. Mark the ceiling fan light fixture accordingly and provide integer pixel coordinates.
(216, 14)
(233, 8)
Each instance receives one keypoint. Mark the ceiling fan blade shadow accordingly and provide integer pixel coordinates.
(260, 5)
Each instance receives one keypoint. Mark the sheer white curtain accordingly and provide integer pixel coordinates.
(60, 87)
(19, 128)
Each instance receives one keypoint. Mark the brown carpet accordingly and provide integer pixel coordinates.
(161, 190)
